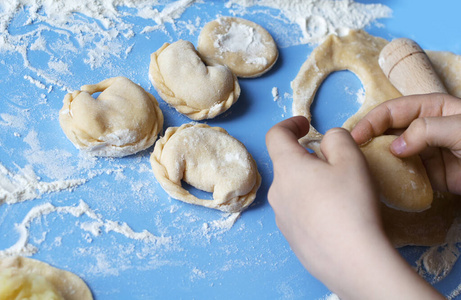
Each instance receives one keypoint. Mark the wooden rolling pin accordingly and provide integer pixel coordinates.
(409, 69)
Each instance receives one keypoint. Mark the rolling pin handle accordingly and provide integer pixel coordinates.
(409, 69)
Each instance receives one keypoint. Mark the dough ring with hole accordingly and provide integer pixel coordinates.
(33, 279)
(183, 80)
(209, 159)
(244, 46)
(359, 52)
(122, 120)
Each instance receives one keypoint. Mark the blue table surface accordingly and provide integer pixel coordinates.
(200, 259)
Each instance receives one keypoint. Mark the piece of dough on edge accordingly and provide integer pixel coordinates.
(402, 182)
(170, 178)
(427, 228)
(71, 286)
(194, 89)
(123, 120)
(242, 45)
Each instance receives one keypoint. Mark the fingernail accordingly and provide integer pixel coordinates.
(398, 145)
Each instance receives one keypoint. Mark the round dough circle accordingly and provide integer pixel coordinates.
(244, 46)
(183, 80)
(122, 120)
(69, 285)
(209, 159)
(402, 182)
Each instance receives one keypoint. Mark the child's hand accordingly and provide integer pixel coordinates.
(328, 212)
(432, 126)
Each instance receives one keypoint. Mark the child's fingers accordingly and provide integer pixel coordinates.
(339, 147)
(400, 112)
(443, 132)
(282, 139)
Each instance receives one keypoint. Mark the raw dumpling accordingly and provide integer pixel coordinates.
(184, 81)
(122, 120)
(209, 159)
(26, 278)
(244, 46)
(403, 183)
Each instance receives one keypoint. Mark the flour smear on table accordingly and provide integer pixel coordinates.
(94, 44)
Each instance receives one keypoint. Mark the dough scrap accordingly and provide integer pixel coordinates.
(55, 282)
(244, 46)
(122, 120)
(403, 183)
(186, 83)
(209, 159)
(358, 52)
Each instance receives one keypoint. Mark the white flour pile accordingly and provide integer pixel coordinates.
(316, 19)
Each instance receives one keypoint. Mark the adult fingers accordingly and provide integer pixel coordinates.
(338, 147)
(282, 138)
(400, 112)
(442, 132)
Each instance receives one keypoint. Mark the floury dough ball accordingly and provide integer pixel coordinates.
(122, 120)
(244, 46)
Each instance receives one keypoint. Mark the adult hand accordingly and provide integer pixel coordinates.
(432, 128)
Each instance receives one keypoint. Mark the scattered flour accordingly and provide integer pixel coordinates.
(218, 227)
(26, 185)
(437, 262)
(316, 19)
(23, 246)
(101, 39)
(245, 39)
(361, 95)
(275, 93)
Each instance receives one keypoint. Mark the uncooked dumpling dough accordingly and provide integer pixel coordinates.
(359, 52)
(244, 46)
(209, 159)
(122, 120)
(184, 81)
(403, 183)
(26, 278)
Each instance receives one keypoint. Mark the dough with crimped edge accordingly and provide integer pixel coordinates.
(26, 278)
(209, 159)
(184, 81)
(402, 182)
(122, 120)
(244, 46)
(359, 52)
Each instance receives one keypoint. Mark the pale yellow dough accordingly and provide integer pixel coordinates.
(184, 81)
(26, 278)
(359, 52)
(209, 159)
(403, 183)
(244, 46)
(122, 120)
